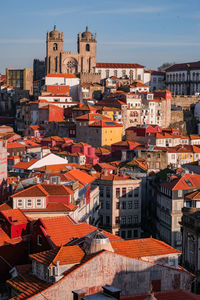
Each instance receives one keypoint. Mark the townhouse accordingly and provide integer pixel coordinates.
(120, 199)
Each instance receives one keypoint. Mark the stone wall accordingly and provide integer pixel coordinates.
(184, 101)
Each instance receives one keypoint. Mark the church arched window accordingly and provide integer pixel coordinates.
(87, 47)
(55, 46)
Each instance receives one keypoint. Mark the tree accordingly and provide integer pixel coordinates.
(166, 65)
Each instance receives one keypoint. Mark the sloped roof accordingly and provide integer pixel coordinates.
(79, 175)
(27, 283)
(62, 75)
(66, 255)
(14, 216)
(25, 164)
(142, 247)
(118, 65)
(186, 182)
(62, 229)
(43, 190)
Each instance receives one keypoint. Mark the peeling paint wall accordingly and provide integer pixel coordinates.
(130, 275)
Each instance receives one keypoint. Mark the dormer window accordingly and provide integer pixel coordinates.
(55, 46)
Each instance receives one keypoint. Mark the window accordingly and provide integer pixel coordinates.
(101, 204)
(135, 219)
(107, 73)
(29, 202)
(130, 204)
(130, 220)
(129, 235)
(107, 204)
(108, 220)
(124, 205)
(87, 47)
(180, 193)
(107, 192)
(123, 220)
(136, 204)
(123, 72)
(39, 202)
(139, 77)
(123, 234)
(101, 191)
(55, 46)
(115, 73)
(124, 192)
(19, 202)
(130, 192)
(117, 205)
(135, 233)
(136, 192)
(116, 220)
(117, 192)
(39, 240)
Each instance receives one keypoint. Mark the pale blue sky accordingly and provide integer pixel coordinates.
(148, 32)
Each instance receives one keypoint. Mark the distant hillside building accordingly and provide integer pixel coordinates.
(183, 79)
(20, 78)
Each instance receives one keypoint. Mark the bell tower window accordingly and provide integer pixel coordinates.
(87, 47)
(55, 46)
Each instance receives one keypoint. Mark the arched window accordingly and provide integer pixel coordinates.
(87, 47)
(55, 46)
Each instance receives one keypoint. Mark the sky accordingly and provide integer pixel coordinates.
(148, 32)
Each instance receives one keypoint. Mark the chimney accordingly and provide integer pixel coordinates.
(78, 294)
(111, 291)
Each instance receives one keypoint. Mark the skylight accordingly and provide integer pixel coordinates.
(189, 183)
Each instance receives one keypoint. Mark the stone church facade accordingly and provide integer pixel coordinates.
(83, 63)
(57, 61)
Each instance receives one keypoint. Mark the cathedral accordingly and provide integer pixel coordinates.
(58, 61)
(83, 63)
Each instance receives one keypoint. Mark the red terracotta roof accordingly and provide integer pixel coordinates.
(186, 182)
(43, 190)
(105, 124)
(62, 75)
(70, 229)
(66, 255)
(5, 239)
(193, 195)
(14, 216)
(26, 283)
(15, 145)
(25, 164)
(142, 248)
(118, 65)
(80, 176)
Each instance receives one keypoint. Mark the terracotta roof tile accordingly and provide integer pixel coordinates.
(62, 75)
(142, 247)
(118, 65)
(66, 255)
(70, 229)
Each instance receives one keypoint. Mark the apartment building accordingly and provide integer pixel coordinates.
(120, 199)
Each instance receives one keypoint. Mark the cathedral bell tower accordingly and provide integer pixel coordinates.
(54, 50)
(87, 51)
